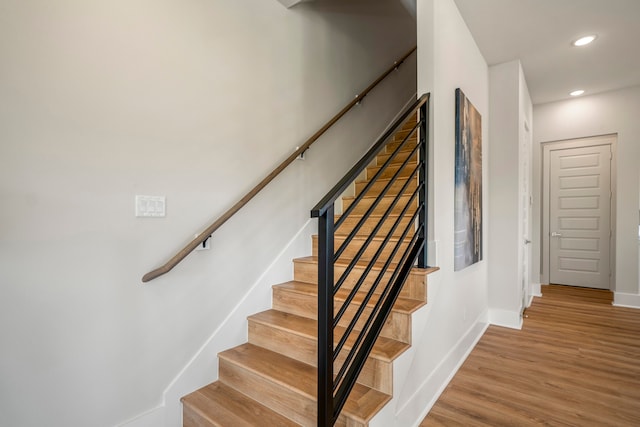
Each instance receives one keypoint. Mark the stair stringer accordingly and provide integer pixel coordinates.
(401, 366)
(411, 403)
(409, 407)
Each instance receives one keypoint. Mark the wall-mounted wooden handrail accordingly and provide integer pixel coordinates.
(204, 235)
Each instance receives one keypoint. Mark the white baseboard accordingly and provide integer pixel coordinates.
(626, 300)
(421, 402)
(151, 418)
(202, 369)
(402, 366)
(529, 301)
(536, 289)
(505, 318)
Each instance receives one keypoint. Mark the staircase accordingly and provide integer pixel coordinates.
(272, 379)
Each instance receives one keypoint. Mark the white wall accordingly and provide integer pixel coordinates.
(197, 101)
(606, 113)
(448, 58)
(510, 108)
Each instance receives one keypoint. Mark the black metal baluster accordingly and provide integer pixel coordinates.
(423, 177)
(325, 317)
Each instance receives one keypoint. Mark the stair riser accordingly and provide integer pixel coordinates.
(395, 188)
(396, 142)
(354, 246)
(401, 134)
(191, 418)
(361, 209)
(302, 348)
(385, 202)
(397, 326)
(399, 158)
(281, 399)
(376, 374)
(390, 171)
(299, 408)
(370, 223)
(415, 286)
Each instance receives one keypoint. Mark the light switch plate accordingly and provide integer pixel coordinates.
(150, 206)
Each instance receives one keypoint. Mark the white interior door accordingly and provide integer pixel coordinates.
(580, 216)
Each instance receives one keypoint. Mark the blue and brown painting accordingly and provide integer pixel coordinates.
(468, 179)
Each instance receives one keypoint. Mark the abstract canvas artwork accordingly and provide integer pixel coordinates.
(468, 184)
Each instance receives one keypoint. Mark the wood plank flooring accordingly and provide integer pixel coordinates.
(576, 362)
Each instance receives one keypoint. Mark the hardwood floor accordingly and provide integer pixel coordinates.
(576, 362)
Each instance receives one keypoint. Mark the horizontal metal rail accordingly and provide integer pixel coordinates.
(364, 317)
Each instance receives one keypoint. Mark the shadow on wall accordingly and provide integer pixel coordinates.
(362, 27)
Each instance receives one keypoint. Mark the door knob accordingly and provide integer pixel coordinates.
(554, 234)
(527, 241)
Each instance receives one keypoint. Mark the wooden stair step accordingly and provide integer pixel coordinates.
(402, 305)
(399, 158)
(301, 299)
(386, 201)
(395, 143)
(381, 183)
(390, 170)
(306, 270)
(402, 133)
(359, 240)
(288, 386)
(220, 405)
(371, 222)
(385, 349)
(383, 232)
(296, 337)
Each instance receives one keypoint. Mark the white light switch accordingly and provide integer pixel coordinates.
(150, 206)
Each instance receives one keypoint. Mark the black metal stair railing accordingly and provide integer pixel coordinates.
(341, 359)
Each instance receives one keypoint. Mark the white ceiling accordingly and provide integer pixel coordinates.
(540, 32)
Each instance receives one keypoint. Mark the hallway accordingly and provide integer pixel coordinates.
(575, 362)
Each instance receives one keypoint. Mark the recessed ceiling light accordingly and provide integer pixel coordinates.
(577, 92)
(583, 41)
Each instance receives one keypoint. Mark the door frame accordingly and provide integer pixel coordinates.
(527, 248)
(590, 141)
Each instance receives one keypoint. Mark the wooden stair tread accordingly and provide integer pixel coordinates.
(374, 215)
(376, 267)
(385, 349)
(402, 305)
(363, 402)
(231, 408)
(374, 239)
(400, 178)
(393, 145)
(394, 167)
(375, 196)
